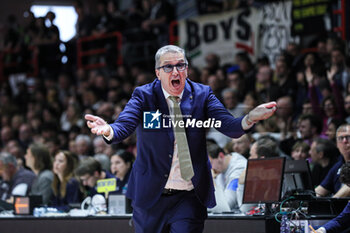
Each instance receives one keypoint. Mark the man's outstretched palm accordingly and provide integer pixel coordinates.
(97, 125)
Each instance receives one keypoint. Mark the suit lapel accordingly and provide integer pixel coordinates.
(162, 105)
(187, 101)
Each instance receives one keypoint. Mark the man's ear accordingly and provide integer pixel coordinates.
(321, 154)
(158, 73)
(221, 155)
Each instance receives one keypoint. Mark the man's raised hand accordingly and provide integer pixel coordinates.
(262, 112)
(97, 125)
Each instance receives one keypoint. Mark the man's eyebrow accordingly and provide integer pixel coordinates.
(167, 61)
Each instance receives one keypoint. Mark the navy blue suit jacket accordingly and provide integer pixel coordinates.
(155, 147)
(341, 222)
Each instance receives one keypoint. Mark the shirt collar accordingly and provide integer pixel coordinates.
(166, 94)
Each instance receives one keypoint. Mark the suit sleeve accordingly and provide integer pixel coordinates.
(230, 126)
(340, 223)
(128, 119)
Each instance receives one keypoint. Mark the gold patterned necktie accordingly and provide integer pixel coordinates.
(186, 168)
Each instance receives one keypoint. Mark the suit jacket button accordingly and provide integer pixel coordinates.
(166, 175)
(170, 156)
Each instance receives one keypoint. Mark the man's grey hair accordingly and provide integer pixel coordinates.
(84, 138)
(342, 128)
(6, 158)
(229, 90)
(97, 140)
(104, 161)
(168, 49)
(267, 146)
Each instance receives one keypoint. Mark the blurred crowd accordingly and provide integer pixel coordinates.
(311, 89)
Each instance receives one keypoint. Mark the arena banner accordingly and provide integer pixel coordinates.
(275, 29)
(308, 16)
(224, 34)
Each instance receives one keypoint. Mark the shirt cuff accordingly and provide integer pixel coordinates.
(245, 124)
(322, 229)
(111, 134)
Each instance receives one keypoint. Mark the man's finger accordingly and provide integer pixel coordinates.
(90, 117)
(93, 130)
(89, 124)
(270, 104)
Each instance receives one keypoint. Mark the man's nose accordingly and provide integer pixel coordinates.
(175, 71)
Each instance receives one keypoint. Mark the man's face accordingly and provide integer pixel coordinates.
(305, 129)
(230, 100)
(343, 142)
(4, 172)
(336, 57)
(217, 164)
(233, 81)
(263, 75)
(174, 81)
(252, 153)
(241, 145)
(347, 104)
(89, 180)
(284, 107)
(313, 153)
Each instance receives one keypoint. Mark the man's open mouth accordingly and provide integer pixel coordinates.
(175, 83)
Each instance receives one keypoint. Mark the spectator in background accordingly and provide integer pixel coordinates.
(235, 81)
(85, 22)
(103, 160)
(293, 49)
(300, 151)
(7, 135)
(247, 68)
(284, 116)
(89, 171)
(16, 150)
(284, 78)
(83, 146)
(231, 102)
(250, 101)
(341, 222)
(116, 20)
(310, 127)
(66, 188)
(212, 63)
(264, 87)
(52, 31)
(16, 181)
(25, 135)
(242, 145)
(121, 165)
(331, 184)
(226, 170)
(216, 85)
(322, 50)
(347, 107)
(99, 145)
(39, 160)
(332, 129)
(264, 147)
(331, 96)
(160, 14)
(324, 155)
(338, 68)
(101, 18)
(71, 117)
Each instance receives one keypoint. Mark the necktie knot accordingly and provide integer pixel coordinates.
(175, 99)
